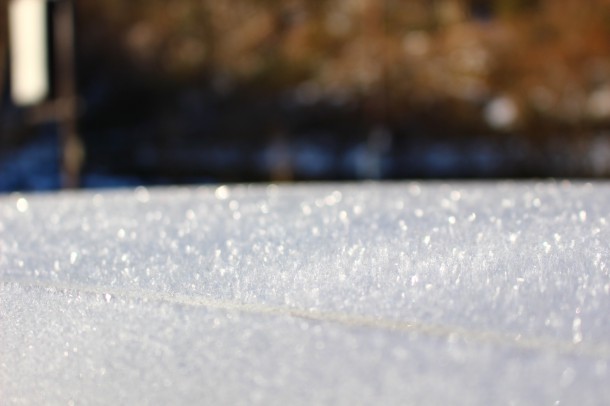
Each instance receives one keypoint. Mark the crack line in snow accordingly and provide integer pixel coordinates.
(597, 350)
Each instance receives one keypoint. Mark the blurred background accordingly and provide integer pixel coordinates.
(196, 91)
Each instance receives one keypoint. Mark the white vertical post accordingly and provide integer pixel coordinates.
(28, 51)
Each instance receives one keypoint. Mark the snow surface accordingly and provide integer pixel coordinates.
(368, 293)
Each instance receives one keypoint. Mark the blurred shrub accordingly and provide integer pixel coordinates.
(548, 58)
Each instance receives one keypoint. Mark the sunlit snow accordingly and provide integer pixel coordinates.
(365, 293)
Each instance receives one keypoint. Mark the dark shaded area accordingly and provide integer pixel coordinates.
(244, 91)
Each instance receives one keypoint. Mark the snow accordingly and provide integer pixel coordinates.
(386, 293)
